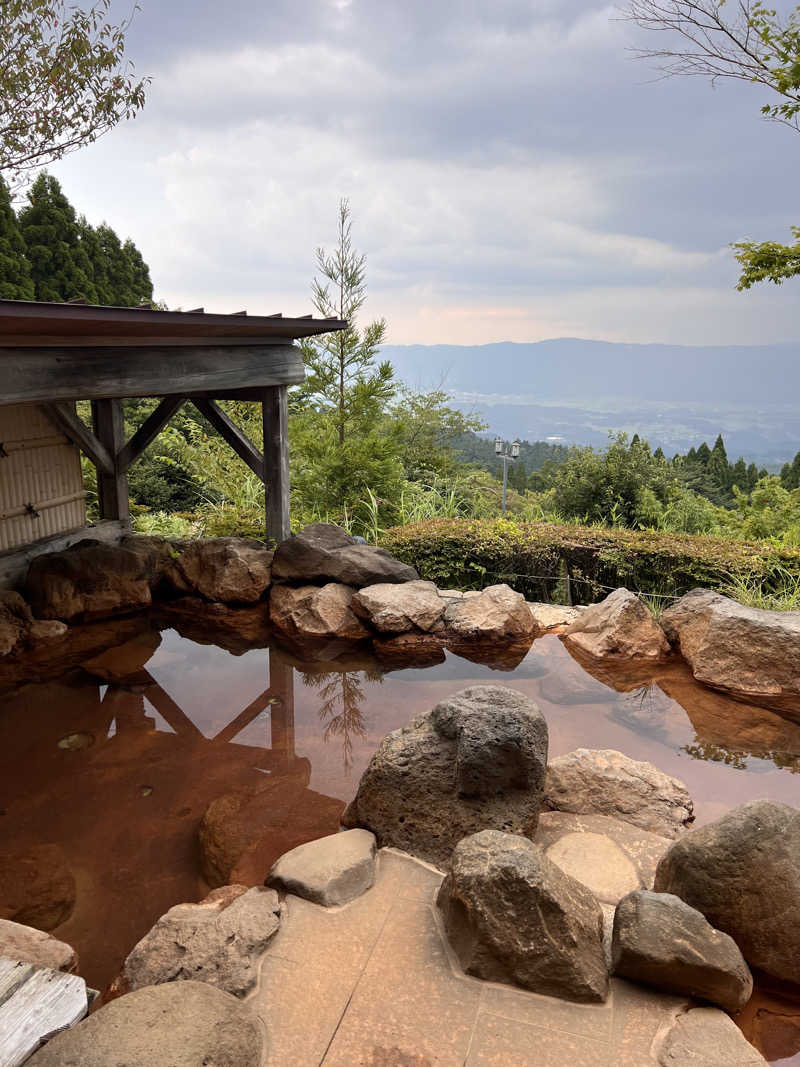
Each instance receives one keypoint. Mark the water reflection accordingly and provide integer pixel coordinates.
(340, 710)
(177, 726)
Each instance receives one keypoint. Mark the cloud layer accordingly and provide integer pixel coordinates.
(514, 173)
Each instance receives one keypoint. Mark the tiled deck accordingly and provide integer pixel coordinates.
(373, 984)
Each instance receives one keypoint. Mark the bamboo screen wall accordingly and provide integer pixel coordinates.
(41, 487)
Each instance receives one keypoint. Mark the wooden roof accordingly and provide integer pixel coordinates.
(39, 324)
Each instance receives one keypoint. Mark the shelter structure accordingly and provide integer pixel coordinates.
(53, 355)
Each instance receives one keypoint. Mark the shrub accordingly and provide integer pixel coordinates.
(546, 561)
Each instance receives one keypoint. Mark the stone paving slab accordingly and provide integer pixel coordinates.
(374, 984)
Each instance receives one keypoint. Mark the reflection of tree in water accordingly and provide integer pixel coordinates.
(639, 711)
(342, 695)
(737, 758)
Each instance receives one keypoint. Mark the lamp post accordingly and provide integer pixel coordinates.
(507, 457)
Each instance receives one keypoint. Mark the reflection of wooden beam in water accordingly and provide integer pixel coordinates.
(244, 718)
(281, 678)
(127, 709)
(169, 710)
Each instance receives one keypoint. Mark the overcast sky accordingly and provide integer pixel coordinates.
(514, 173)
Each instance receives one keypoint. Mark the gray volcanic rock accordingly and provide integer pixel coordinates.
(232, 570)
(396, 608)
(706, 1037)
(605, 782)
(661, 941)
(332, 870)
(743, 873)
(322, 552)
(476, 761)
(180, 1024)
(512, 916)
(749, 653)
(619, 626)
(495, 614)
(218, 941)
(313, 611)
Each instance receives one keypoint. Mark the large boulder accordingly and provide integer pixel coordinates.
(495, 614)
(313, 611)
(397, 608)
(605, 782)
(743, 873)
(232, 570)
(25, 943)
(88, 581)
(659, 940)
(219, 941)
(477, 760)
(179, 1024)
(619, 626)
(326, 553)
(243, 833)
(37, 887)
(749, 653)
(512, 916)
(329, 871)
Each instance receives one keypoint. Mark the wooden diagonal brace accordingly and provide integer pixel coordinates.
(230, 432)
(148, 431)
(66, 419)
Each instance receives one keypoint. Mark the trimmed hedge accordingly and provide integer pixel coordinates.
(549, 562)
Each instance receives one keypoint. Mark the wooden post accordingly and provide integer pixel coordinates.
(112, 489)
(275, 418)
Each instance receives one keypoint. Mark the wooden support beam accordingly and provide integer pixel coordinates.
(148, 431)
(112, 488)
(281, 684)
(230, 432)
(39, 375)
(275, 418)
(66, 419)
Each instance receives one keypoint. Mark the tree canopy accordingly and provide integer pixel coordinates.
(64, 80)
(15, 271)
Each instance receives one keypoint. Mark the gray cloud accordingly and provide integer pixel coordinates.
(514, 173)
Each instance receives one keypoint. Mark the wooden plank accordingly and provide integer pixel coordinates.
(112, 487)
(12, 975)
(275, 416)
(47, 1003)
(66, 419)
(65, 373)
(148, 431)
(230, 432)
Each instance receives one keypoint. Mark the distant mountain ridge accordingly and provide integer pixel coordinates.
(577, 370)
(576, 391)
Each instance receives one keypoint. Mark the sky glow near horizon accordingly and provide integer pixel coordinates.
(514, 173)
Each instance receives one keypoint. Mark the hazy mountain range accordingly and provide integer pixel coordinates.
(577, 391)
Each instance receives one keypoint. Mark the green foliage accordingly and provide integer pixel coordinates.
(536, 558)
(790, 474)
(770, 511)
(63, 80)
(428, 432)
(768, 261)
(15, 271)
(781, 593)
(60, 266)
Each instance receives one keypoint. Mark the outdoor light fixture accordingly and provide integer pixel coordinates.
(507, 457)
